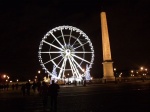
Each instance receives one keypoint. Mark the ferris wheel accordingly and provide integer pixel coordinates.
(68, 50)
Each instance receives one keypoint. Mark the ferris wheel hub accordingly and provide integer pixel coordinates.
(68, 52)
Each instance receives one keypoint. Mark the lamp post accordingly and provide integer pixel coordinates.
(132, 73)
(5, 77)
(143, 73)
(115, 74)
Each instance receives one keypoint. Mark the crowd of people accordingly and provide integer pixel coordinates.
(6, 86)
(46, 91)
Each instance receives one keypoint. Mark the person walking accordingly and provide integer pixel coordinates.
(23, 89)
(28, 86)
(44, 94)
(53, 92)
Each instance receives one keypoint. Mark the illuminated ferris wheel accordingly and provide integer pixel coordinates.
(68, 50)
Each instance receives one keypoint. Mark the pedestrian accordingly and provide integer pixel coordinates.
(28, 87)
(53, 92)
(16, 85)
(44, 94)
(7, 86)
(38, 86)
(34, 86)
(13, 86)
(23, 89)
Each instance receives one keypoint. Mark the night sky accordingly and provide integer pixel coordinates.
(24, 23)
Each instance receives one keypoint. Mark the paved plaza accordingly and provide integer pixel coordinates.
(121, 97)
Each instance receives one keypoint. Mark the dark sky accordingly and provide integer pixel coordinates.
(24, 23)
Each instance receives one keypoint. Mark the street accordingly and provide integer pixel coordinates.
(122, 97)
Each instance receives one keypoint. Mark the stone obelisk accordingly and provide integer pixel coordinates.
(108, 73)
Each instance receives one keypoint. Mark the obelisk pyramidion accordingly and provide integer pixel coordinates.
(108, 73)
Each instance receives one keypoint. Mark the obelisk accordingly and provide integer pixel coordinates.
(108, 73)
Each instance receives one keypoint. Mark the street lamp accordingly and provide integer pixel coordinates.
(141, 68)
(115, 73)
(39, 77)
(132, 75)
(4, 76)
(143, 73)
(39, 71)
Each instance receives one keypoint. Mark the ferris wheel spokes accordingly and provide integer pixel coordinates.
(62, 66)
(77, 64)
(60, 61)
(81, 52)
(81, 45)
(77, 74)
(74, 69)
(56, 39)
(55, 64)
(81, 58)
(63, 37)
(52, 59)
(52, 45)
(75, 40)
(70, 36)
(73, 72)
(52, 52)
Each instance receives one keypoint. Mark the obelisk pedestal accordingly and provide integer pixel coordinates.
(108, 73)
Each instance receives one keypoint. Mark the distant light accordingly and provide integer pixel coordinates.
(114, 69)
(141, 68)
(120, 74)
(39, 71)
(4, 76)
(10, 81)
